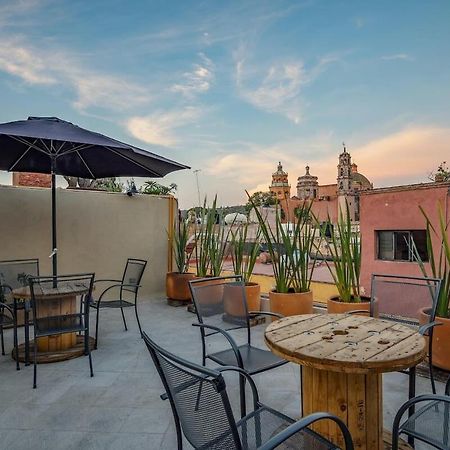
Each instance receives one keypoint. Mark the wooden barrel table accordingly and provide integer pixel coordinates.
(55, 301)
(343, 357)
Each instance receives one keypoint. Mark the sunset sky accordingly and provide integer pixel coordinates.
(232, 87)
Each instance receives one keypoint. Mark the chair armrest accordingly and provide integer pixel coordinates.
(106, 280)
(359, 311)
(227, 336)
(121, 285)
(281, 437)
(423, 330)
(4, 305)
(248, 377)
(265, 313)
(396, 428)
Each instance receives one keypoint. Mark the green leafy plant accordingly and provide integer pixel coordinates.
(243, 252)
(439, 258)
(154, 188)
(179, 244)
(345, 252)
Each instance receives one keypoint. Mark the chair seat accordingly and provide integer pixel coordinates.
(111, 304)
(258, 427)
(254, 359)
(431, 424)
(69, 323)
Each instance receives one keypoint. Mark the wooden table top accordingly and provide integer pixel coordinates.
(63, 289)
(346, 343)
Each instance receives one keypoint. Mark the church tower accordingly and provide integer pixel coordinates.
(280, 185)
(307, 186)
(345, 191)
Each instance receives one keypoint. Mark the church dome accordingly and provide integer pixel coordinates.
(361, 181)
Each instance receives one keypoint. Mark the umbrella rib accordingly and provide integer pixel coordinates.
(31, 145)
(76, 149)
(87, 167)
(134, 162)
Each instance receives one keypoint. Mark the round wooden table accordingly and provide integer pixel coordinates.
(54, 301)
(343, 357)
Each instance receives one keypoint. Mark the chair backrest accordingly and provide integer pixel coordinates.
(198, 399)
(15, 273)
(402, 298)
(54, 298)
(221, 302)
(132, 274)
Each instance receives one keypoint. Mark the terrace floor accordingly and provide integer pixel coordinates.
(120, 407)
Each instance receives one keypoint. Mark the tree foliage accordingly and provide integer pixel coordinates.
(442, 173)
(154, 188)
(261, 198)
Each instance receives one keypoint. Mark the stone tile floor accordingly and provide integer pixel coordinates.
(120, 407)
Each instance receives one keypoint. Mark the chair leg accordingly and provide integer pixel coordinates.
(433, 383)
(123, 317)
(137, 318)
(27, 336)
(87, 350)
(96, 327)
(3, 341)
(16, 343)
(242, 395)
(412, 393)
(34, 361)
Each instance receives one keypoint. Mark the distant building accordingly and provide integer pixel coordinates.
(280, 186)
(327, 198)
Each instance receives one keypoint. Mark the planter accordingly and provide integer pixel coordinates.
(291, 304)
(209, 300)
(177, 287)
(232, 299)
(441, 339)
(336, 306)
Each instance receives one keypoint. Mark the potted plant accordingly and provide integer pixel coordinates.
(243, 256)
(345, 266)
(290, 246)
(177, 287)
(438, 250)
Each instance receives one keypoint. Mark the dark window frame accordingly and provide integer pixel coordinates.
(401, 245)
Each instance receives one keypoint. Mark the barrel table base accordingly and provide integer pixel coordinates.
(354, 398)
(58, 355)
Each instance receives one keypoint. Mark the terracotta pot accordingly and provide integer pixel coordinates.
(210, 300)
(291, 304)
(177, 287)
(232, 299)
(336, 306)
(441, 339)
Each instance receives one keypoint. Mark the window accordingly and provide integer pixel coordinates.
(398, 245)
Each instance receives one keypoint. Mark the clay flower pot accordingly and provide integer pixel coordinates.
(441, 339)
(292, 303)
(177, 287)
(232, 299)
(336, 306)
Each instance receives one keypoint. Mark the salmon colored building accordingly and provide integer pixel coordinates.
(390, 219)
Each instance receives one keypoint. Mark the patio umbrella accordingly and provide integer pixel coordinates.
(54, 146)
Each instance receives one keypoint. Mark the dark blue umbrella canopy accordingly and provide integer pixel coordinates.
(32, 145)
(54, 146)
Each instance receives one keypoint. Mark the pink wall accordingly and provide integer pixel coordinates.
(397, 208)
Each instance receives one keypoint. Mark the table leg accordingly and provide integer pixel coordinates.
(355, 398)
(16, 343)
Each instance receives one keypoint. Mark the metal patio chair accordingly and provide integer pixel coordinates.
(202, 411)
(14, 273)
(221, 307)
(60, 322)
(429, 423)
(401, 299)
(129, 284)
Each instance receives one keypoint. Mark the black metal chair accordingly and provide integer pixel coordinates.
(45, 325)
(14, 274)
(130, 283)
(402, 299)
(202, 411)
(429, 423)
(221, 307)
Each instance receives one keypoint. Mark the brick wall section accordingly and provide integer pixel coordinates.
(32, 179)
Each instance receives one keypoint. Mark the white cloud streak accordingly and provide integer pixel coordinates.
(398, 57)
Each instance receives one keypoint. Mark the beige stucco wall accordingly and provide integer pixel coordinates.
(97, 231)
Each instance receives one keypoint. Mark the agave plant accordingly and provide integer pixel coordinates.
(179, 243)
(244, 253)
(439, 258)
(345, 250)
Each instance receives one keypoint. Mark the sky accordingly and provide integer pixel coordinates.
(230, 88)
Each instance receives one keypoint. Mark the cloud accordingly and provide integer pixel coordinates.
(159, 128)
(278, 90)
(359, 22)
(53, 66)
(198, 80)
(397, 56)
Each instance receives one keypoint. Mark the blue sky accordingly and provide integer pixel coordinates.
(232, 87)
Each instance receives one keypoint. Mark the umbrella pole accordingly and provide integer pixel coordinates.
(54, 248)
